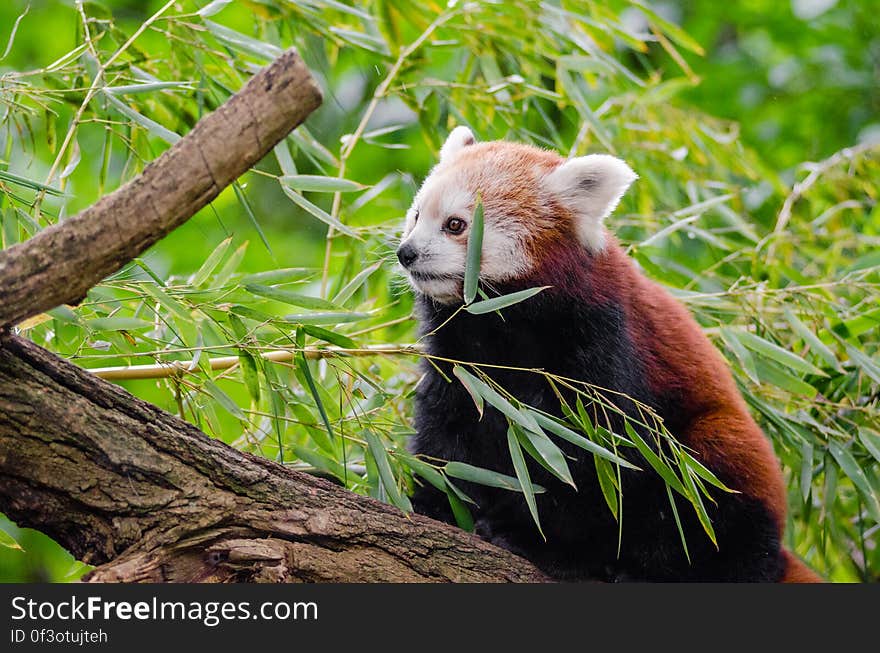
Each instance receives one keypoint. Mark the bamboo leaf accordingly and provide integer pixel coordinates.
(150, 125)
(697, 468)
(249, 370)
(248, 209)
(64, 315)
(231, 266)
(572, 86)
(167, 302)
(461, 512)
(497, 303)
(281, 275)
(465, 379)
(777, 353)
(500, 403)
(361, 40)
(213, 260)
(383, 465)
(9, 43)
(246, 360)
(871, 440)
(75, 158)
(576, 439)
(450, 486)
(485, 477)
(213, 7)
(854, 472)
(864, 362)
(9, 542)
(697, 502)
(317, 460)
(584, 419)
(522, 473)
(423, 469)
(672, 30)
(320, 436)
(329, 336)
(292, 298)
(224, 399)
(284, 158)
(775, 375)
(743, 355)
(666, 472)
(678, 523)
(317, 212)
(147, 87)
(542, 449)
(320, 184)
(474, 253)
(118, 324)
(346, 9)
(242, 43)
(351, 287)
(251, 314)
(607, 481)
(863, 322)
(304, 140)
(806, 476)
(816, 345)
(7, 176)
(303, 366)
(324, 318)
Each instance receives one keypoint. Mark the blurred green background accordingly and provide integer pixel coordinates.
(720, 107)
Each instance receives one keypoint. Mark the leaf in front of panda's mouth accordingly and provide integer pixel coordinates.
(497, 303)
(474, 253)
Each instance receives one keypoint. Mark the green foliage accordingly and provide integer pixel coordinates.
(775, 255)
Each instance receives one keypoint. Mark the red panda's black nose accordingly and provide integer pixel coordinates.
(407, 255)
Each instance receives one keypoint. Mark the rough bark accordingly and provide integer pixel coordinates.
(60, 264)
(125, 485)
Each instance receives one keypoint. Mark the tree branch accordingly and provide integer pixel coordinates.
(125, 485)
(60, 264)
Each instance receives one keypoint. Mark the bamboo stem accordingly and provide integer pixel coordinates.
(179, 368)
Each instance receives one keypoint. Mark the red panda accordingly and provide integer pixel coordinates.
(599, 321)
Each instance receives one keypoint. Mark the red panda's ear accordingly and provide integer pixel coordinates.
(590, 186)
(458, 139)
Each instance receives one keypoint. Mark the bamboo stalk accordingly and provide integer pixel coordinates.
(179, 368)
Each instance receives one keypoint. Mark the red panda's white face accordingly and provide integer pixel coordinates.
(531, 199)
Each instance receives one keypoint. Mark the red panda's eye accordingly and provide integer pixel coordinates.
(416, 217)
(454, 225)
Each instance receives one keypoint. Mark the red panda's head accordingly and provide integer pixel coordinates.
(532, 200)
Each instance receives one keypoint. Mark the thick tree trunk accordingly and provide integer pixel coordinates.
(125, 485)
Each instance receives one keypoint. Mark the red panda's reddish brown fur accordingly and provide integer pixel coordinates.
(679, 360)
